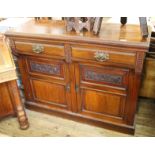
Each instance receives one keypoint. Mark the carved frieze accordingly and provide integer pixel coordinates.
(103, 77)
(68, 53)
(45, 68)
(12, 46)
(139, 62)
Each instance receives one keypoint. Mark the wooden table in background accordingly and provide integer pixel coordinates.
(10, 102)
(148, 81)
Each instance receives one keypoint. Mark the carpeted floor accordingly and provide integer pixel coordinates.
(43, 125)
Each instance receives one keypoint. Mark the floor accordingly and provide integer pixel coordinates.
(43, 125)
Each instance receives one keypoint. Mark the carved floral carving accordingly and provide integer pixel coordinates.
(45, 68)
(139, 63)
(103, 77)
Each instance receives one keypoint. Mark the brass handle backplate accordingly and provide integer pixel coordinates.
(101, 56)
(37, 48)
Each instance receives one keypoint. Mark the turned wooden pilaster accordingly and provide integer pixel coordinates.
(17, 104)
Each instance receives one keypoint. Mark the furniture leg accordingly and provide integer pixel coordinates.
(16, 100)
(123, 20)
(143, 26)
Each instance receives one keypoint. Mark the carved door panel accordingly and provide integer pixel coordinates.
(47, 82)
(101, 91)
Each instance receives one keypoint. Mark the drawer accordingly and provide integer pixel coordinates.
(103, 55)
(39, 49)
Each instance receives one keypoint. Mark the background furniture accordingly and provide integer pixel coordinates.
(93, 79)
(143, 25)
(10, 102)
(148, 79)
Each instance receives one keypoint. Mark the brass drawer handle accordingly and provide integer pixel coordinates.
(37, 48)
(101, 56)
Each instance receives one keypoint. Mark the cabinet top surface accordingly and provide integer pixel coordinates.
(5, 57)
(110, 33)
(7, 67)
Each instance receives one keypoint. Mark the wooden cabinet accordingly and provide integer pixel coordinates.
(90, 79)
(10, 101)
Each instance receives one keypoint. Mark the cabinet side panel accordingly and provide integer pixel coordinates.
(6, 107)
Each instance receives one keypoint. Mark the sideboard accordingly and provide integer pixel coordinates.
(80, 76)
(10, 101)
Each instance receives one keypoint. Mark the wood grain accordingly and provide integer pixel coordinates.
(7, 67)
(10, 101)
(109, 33)
(79, 73)
(6, 107)
(52, 126)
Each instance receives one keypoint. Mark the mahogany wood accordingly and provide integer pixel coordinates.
(67, 79)
(10, 101)
(6, 107)
(18, 107)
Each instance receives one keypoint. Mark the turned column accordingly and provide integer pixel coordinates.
(17, 104)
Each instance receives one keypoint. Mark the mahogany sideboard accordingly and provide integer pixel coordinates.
(10, 101)
(88, 78)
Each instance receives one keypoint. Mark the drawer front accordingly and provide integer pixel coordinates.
(103, 55)
(39, 49)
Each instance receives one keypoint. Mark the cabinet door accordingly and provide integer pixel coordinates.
(101, 91)
(47, 82)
